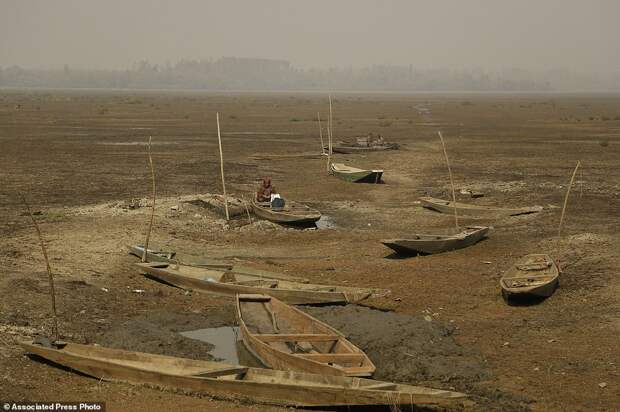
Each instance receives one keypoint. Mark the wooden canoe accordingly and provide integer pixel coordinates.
(228, 283)
(292, 213)
(215, 202)
(429, 244)
(168, 256)
(355, 175)
(534, 275)
(464, 209)
(225, 381)
(285, 338)
(351, 148)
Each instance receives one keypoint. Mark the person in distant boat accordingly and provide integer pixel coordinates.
(265, 190)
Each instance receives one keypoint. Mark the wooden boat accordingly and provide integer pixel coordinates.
(464, 209)
(187, 260)
(351, 148)
(215, 202)
(283, 337)
(228, 283)
(355, 175)
(534, 275)
(429, 244)
(292, 213)
(225, 381)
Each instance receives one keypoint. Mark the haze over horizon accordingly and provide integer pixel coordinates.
(490, 35)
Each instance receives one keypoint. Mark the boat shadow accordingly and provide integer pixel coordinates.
(524, 301)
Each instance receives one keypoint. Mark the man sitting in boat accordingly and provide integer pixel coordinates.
(265, 190)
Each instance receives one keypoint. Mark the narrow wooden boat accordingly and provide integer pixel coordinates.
(429, 244)
(534, 275)
(169, 256)
(355, 175)
(351, 148)
(283, 337)
(293, 213)
(228, 283)
(225, 381)
(464, 209)
(215, 202)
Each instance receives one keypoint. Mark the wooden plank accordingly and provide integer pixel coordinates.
(384, 386)
(332, 357)
(298, 337)
(254, 297)
(221, 372)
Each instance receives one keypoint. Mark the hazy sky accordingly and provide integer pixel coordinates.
(575, 34)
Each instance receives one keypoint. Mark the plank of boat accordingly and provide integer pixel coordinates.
(464, 209)
(173, 257)
(292, 213)
(356, 175)
(284, 337)
(534, 275)
(225, 381)
(429, 243)
(229, 284)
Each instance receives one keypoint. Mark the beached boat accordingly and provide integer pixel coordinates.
(355, 175)
(229, 283)
(534, 275)
(215, 202)
(351, 148)
(464, 209)
(283, 337)
(428, 243)
(225, 381)
(293, 213)
(169, 256)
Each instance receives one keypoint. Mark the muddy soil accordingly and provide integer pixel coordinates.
(80, 159)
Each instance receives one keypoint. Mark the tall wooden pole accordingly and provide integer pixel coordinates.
(570, 185)
(329, 132)
(219, 141)
(49, 269)
(445, 153)
(318, 115)
(148, 231)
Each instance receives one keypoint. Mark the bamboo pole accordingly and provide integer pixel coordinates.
(47, 265)
(570, 185)
(318, 115)
(148, 231)
(329, 133)
(445, 153)
(219, 141)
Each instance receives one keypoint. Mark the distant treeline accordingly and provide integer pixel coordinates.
(230, 73)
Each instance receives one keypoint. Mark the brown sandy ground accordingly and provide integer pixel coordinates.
(79, 158)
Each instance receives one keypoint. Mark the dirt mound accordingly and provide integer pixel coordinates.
(158, 333)
(404, 348)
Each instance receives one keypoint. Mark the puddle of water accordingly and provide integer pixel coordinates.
(326, 222)
(228, 346)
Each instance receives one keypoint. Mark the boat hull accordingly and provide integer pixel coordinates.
(304, 214)
(292, 296)
(463, 209)
(431, 246)
(533, 276)
(171, 257)
(258, 385)
(276, 358)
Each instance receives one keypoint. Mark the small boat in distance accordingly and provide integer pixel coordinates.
(293, 213)
(229, 284)
(224, 381)
(283, 337)
(428, 244)
(534, 275)
(464, 209)
(355, 175)
(364, 144)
